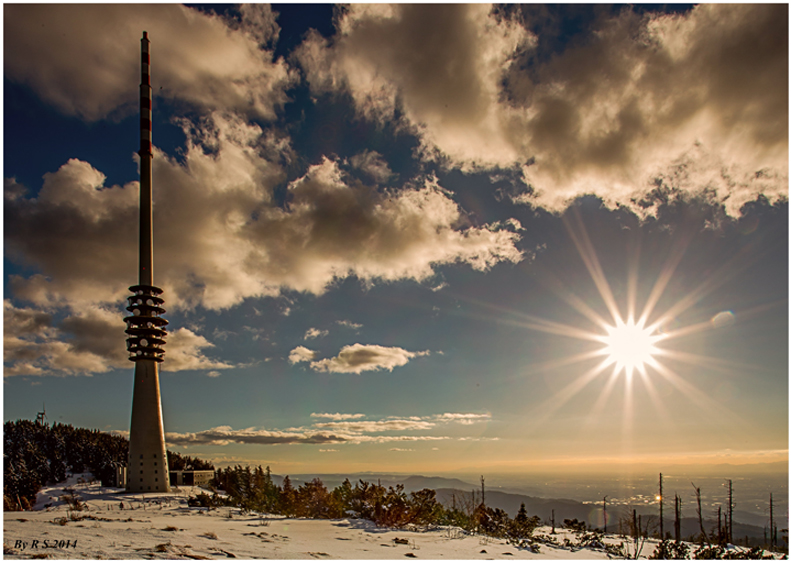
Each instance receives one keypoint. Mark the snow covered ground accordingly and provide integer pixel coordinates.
(164, 526)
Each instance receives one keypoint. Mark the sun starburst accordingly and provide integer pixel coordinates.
(630, 345)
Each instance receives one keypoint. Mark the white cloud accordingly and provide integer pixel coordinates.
(213, 374)
(349, 324)
(313, 333)
(300, 354)
(184, 352)
(224, 435)
(398, 449)
(338, 416)
(344, 428)
(375, 426)
(358, 358)
(82, 58)
(465, 419)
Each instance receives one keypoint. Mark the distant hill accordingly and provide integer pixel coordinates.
(617, 516)
(411, 483)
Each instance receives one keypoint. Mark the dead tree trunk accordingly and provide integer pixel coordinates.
(677, 523)
(727, 540)
(703, 537)
(719, 524)
(730, 511)
(661, 503)
(771, 524)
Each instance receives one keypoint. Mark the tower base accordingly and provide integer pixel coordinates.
(147, 470)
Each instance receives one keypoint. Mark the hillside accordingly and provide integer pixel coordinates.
(164, 526)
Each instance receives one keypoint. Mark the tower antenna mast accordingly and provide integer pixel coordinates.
(147, 470)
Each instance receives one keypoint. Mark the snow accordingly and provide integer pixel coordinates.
(163, 526)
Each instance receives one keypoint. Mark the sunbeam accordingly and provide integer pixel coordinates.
(629, 346)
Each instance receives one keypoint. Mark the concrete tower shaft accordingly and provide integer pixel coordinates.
(147, 470)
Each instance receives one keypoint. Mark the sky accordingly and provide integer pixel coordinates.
(408, 238)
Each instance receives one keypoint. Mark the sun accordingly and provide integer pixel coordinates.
(630, 346)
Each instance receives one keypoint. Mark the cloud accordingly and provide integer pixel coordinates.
(397, 449)
(358, 358)
(85, 343)
(349, 324)
(224, 435)
(88, 341)
(80, 233)
(694, 102)
(371, 163)
(82, 58)
(465, 419)
(312, 333)
(344, 428)
(375, 426)
(300, 354)
(213, 374)
(441, 65)
(338, 416)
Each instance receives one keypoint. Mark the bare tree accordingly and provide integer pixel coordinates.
(661, 504)
(730, 511)
(703, 536)
(772, 532)
(719, 523)
(640, 534)
(677, 523)
(605, 513)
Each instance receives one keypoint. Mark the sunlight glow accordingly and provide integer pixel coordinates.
(630, 346)
(627, 346)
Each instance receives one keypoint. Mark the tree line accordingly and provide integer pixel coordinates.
(36, 454)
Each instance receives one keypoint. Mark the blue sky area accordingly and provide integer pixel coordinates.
(410, 238)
